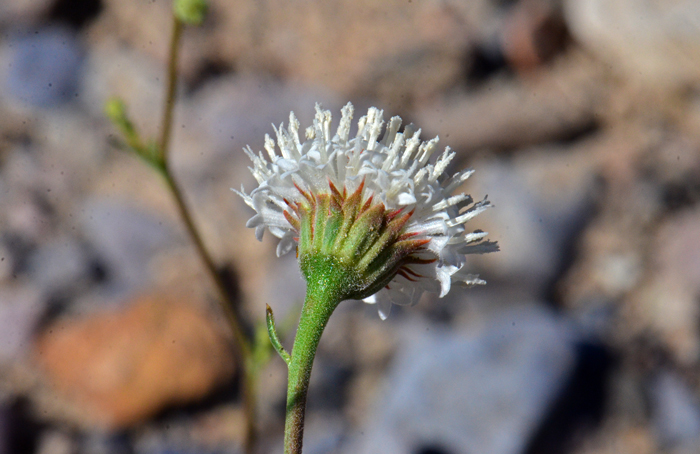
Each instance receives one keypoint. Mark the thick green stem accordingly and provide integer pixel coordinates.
(314, 317)
(325, 284)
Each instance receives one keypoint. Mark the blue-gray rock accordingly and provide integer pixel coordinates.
(675, 411)
(44, 66)
(96, 442)
(125, 238)
(58, 264)
(482, 393)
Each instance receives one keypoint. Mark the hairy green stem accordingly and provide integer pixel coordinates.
(314, 317)
(242, 343)
(325, 289)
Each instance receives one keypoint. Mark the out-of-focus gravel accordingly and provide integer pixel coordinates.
(581, 118)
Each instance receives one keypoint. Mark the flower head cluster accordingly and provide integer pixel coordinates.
(381, 207)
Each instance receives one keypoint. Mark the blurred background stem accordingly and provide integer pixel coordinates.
(248, 369)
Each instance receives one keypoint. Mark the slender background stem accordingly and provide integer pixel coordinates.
(242, 343)
(170, 89)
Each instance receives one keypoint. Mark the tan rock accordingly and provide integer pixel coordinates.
(654, 42)
(395, 50)
(123, 367)
(667, 301)
(620, 439)
(387, 49)
(548, 104)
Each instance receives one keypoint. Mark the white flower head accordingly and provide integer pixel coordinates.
(414, 236)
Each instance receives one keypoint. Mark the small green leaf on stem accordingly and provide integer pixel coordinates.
(272, 332)
(115, 110)
(190, 12)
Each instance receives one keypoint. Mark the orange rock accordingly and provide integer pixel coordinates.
(123, 367)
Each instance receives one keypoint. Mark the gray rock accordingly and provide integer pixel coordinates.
(287, 289)
(230, 113)
(323, 434)
(176, 437)
(675, 411)
(101, 443)
(114, 70)
(677, 249)
(60, 263)
(23, 10)
(655, 43)
(56, 442)
(541, 200)
(20, 310)
(481, 393)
